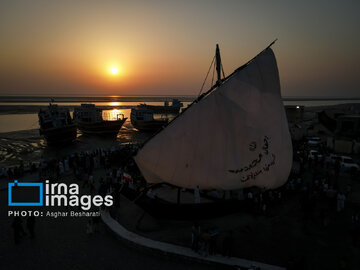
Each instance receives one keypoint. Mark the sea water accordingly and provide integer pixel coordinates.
(16, 113)
(20, 138)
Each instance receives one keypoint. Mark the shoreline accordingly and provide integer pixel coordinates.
(28, 144)
(34, 109)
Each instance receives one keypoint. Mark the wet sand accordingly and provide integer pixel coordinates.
(29, 146)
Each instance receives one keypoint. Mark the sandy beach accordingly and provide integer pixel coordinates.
(29, 146)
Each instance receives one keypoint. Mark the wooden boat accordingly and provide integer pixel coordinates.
(174, 108)
(143, 120)
(89, 120)
(233, 136)
(56, 125)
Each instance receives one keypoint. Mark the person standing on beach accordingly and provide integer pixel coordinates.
(61, 168)
(18, 229)
(228, 243)
(205, 243)
(90, 180)
(340, 202)
(195, 235)
(197, 194)
(30, 224)
(89, 227)
(85, 180)
(66, 165)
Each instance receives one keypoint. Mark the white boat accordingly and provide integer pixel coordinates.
(233, 136)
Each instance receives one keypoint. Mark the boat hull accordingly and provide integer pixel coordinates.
(163, 109)
(148, 126)
(103, 127)
(59, 136)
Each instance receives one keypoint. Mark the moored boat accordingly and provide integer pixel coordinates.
(89, 120)
(174, 108)
(143, 120)
(56, 125)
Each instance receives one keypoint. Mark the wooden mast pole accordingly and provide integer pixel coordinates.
(218, 64)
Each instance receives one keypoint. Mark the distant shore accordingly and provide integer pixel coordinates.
(92, 99)
(28, 109)
(25, 109)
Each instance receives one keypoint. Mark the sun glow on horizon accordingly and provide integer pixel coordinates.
(114, 70)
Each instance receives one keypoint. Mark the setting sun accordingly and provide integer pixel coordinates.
(114, 70)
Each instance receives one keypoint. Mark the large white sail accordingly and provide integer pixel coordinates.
(235, 137)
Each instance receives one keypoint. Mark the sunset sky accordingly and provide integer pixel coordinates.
(165, 47)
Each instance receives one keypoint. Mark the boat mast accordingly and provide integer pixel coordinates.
(218, 64)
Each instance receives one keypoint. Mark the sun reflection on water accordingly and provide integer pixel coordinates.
(114, 103)
(112, 115)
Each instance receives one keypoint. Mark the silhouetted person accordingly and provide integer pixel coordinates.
(205, 243)
(18, 229)
(212, 244)
(10, 175)
(195, 235)
(343, 264)
(228, 243)
(116, 196)
(90, 227)
(337, 169)
(30, 224)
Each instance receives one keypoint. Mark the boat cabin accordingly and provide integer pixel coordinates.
(88, 113)
(142, 114)
(54, 117)
(176, 103)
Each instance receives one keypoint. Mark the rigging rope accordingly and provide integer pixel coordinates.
(206, 76)
(213, 75)
(207, 92)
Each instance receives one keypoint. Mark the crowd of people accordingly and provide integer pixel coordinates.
(76, 163)
(319, 186)
(18, 228)
(112, 163)
(316, 184)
